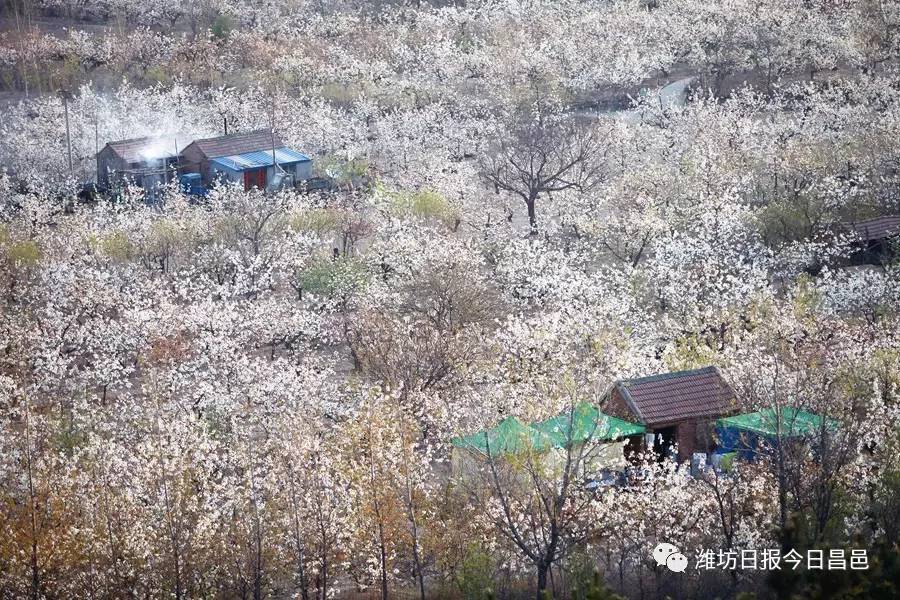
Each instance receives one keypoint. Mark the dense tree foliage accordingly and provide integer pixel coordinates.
(253, 395)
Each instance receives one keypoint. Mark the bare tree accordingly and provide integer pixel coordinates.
(544, 155)
(537, 497)
(807, 460)
(437, 330)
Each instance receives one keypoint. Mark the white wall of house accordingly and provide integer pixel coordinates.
(304, 170)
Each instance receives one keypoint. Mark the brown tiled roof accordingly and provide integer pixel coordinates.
(684, 395)
(878, 228)
(237, 143)
(139, 149)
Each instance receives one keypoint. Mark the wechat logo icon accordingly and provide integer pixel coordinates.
(668, 555)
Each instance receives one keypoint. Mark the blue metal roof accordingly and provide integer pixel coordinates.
(259, 158)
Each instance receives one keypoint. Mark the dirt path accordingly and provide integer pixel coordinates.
(672, 94)
(56, 26)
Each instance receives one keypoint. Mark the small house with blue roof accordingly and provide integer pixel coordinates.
(254, 160)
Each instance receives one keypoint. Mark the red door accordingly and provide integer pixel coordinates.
(255, 178)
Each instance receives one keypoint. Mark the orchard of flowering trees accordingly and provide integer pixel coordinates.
(253, 395)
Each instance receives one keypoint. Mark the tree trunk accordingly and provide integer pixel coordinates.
(532, 214)
(257, 559)
(417, 561)
(324, 576)
(298, 542)
(782, 495)
(32, 504)
(304, 584)
(177, 564)
(542, 579)
(383, 551)
(414, 525)
(35, 572)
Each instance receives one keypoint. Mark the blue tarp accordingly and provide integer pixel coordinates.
(259, 159)
(761, 431)
(745, 444)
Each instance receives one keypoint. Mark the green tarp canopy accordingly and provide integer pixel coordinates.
(584, 423)
(793, 422)
(509, 436)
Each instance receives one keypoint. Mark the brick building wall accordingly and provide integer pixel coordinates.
(615, 406)
(686, 437)
(691, 436)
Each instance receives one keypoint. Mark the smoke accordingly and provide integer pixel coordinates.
(157, 149)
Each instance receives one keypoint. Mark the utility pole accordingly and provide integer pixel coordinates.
(177, 164)
(96, 146)
(275, 167)
(66, 96)
(272, 130)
